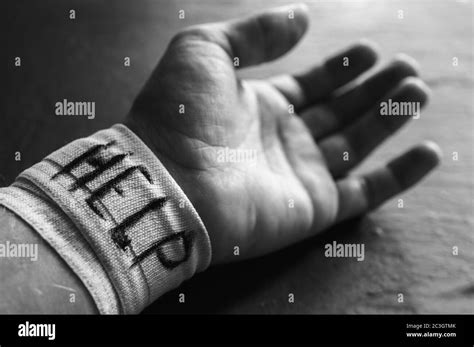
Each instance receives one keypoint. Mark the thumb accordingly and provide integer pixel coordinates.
(256, 39)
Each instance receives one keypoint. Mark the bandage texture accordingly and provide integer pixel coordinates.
(107, 205)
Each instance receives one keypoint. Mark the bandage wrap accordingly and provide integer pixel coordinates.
(116, 216)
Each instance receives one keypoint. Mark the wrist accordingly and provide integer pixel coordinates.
(131, 218)
(194, 182)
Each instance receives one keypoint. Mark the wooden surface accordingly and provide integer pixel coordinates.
(408, 250)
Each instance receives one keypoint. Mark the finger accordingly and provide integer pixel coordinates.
(256, 39)
(346, 149)
(268, 35)
(320, 82)
(358, 195)
(324, 119)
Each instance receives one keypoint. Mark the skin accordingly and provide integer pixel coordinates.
(298, 186)
(299, 157)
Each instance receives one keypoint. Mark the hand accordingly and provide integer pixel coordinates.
(295, 182)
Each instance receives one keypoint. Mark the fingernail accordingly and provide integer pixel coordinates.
(409, 60)
(420, 84)
(434, 150)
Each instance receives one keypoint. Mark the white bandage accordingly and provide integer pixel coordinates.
(116, 216)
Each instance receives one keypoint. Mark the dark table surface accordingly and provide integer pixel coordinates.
(408, 250)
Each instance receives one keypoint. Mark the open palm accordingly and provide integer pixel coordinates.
(265, 162)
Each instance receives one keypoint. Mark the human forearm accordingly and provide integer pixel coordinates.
(111, 210)
(35, 286)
